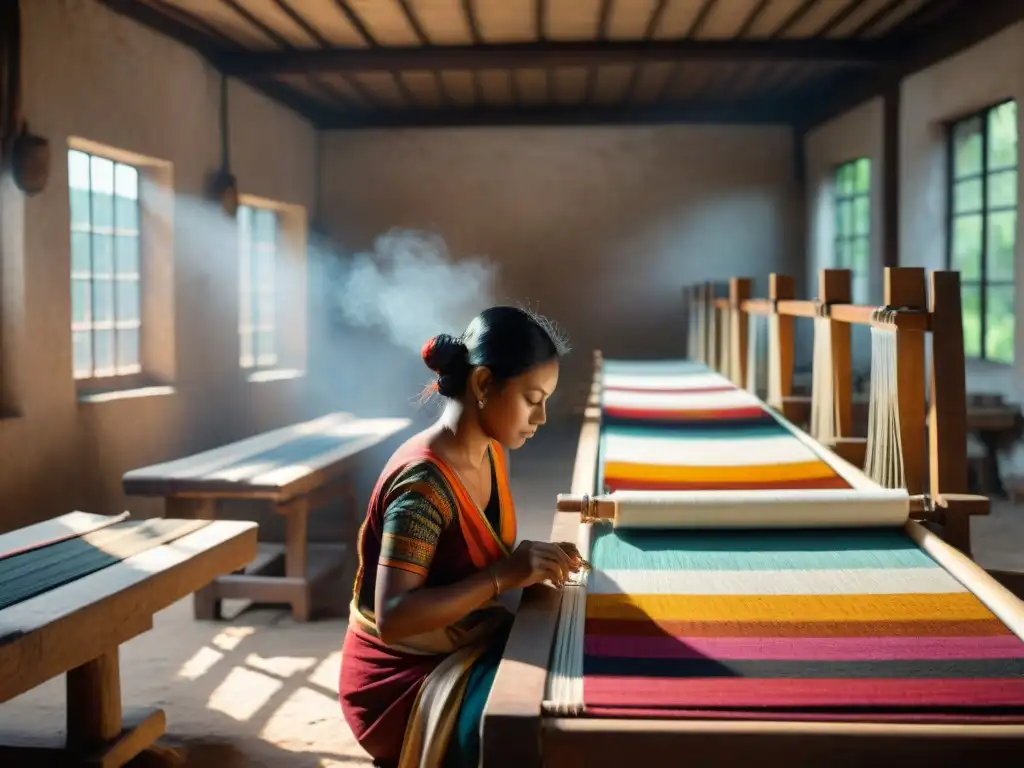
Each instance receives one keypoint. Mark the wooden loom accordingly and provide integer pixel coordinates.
(933, 432)
(516, 731)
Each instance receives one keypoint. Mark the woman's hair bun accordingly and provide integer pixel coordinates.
(443, 352)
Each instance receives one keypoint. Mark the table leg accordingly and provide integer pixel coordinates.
(296, 551)
(206, 604)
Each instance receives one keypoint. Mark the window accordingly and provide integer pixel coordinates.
(983, 225)
(257, 247)
(853, 223)
(105, 266)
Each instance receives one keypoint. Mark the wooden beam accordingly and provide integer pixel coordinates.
(891, 100)
(858, 53)
(969, 24)
(595, 114)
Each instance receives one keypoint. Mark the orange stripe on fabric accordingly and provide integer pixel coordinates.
(718, 474)
(789, 608)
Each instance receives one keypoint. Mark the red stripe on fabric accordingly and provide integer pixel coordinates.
(671, 391)
(789, 715)
(660, 692)
(683, 414)
(817, 483)
(806, 648)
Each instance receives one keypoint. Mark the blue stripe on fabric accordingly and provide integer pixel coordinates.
(755, 550)
(746, 431)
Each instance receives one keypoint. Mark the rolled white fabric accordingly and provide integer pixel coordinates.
(839, 508)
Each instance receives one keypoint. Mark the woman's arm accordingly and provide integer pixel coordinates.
(404, 607)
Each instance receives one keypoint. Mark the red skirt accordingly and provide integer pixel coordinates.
(377, 689)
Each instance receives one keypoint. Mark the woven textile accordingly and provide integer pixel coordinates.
(679, 426)
(800, 624)
(826, 622)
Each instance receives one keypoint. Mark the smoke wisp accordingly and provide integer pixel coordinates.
(409, 287)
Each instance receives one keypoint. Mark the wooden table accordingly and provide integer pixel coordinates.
(297, 469)
(76, 629)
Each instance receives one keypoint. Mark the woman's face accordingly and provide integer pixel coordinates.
(513, 413)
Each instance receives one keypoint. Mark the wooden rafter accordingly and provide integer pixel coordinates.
(865, 54)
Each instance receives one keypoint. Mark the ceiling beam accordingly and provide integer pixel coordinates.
(859, 53)
(966, 25)
(589, 115)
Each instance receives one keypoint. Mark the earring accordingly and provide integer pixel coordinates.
(480, 404)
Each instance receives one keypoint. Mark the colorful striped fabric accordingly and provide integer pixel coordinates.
(680, 426)
(825, 625)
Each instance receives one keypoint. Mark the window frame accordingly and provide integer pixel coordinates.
(852, 237)
(983, 283)
(255, 329)
(136, 376)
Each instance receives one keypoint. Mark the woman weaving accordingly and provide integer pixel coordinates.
(426, 630)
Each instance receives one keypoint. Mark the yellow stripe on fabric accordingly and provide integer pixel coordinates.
(788, 608)
(805, 470)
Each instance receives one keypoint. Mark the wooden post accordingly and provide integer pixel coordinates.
(905, 287)
(94, 715)
(835, 287)
(739, 329)
(712, 334)
(781, 343)
(947, 408)
(206, 605)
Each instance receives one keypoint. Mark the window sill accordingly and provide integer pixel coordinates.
(91, 397)
(275, 374)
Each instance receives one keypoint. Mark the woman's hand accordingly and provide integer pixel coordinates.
(535, 561)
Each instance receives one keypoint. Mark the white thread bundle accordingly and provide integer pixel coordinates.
(884, 456)
(823, 396)
(725, 356)
(704, 510)
(712, 336)
(564, 687)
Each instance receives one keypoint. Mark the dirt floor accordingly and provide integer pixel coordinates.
(260, 690)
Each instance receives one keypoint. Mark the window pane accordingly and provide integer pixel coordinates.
(844, 180)
(1002, 232)
(102, 179)
(127, 247)
(862, 175)
(967, 196)
(1002, 189)
(79, 208)
(127, 300)
(78, 170)
(999, 324)
(841, 230)
(128, 348)
(861, 216)
(127, 214)
(82, 350)
(103, 302)
(103, 349)
(967, 246)
(81, 298)
(859, 263)
(80, 261)
(846, 211)
(971, 311)
(126, 182)
(967, 147)
(103, 254)
(265, 348)
(1002, 137)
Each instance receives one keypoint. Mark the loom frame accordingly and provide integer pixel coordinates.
(515, 731)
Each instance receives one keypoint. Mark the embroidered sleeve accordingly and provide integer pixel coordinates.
(419, 508)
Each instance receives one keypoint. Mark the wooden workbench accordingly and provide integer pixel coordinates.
(297, 469)
(76, 628)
